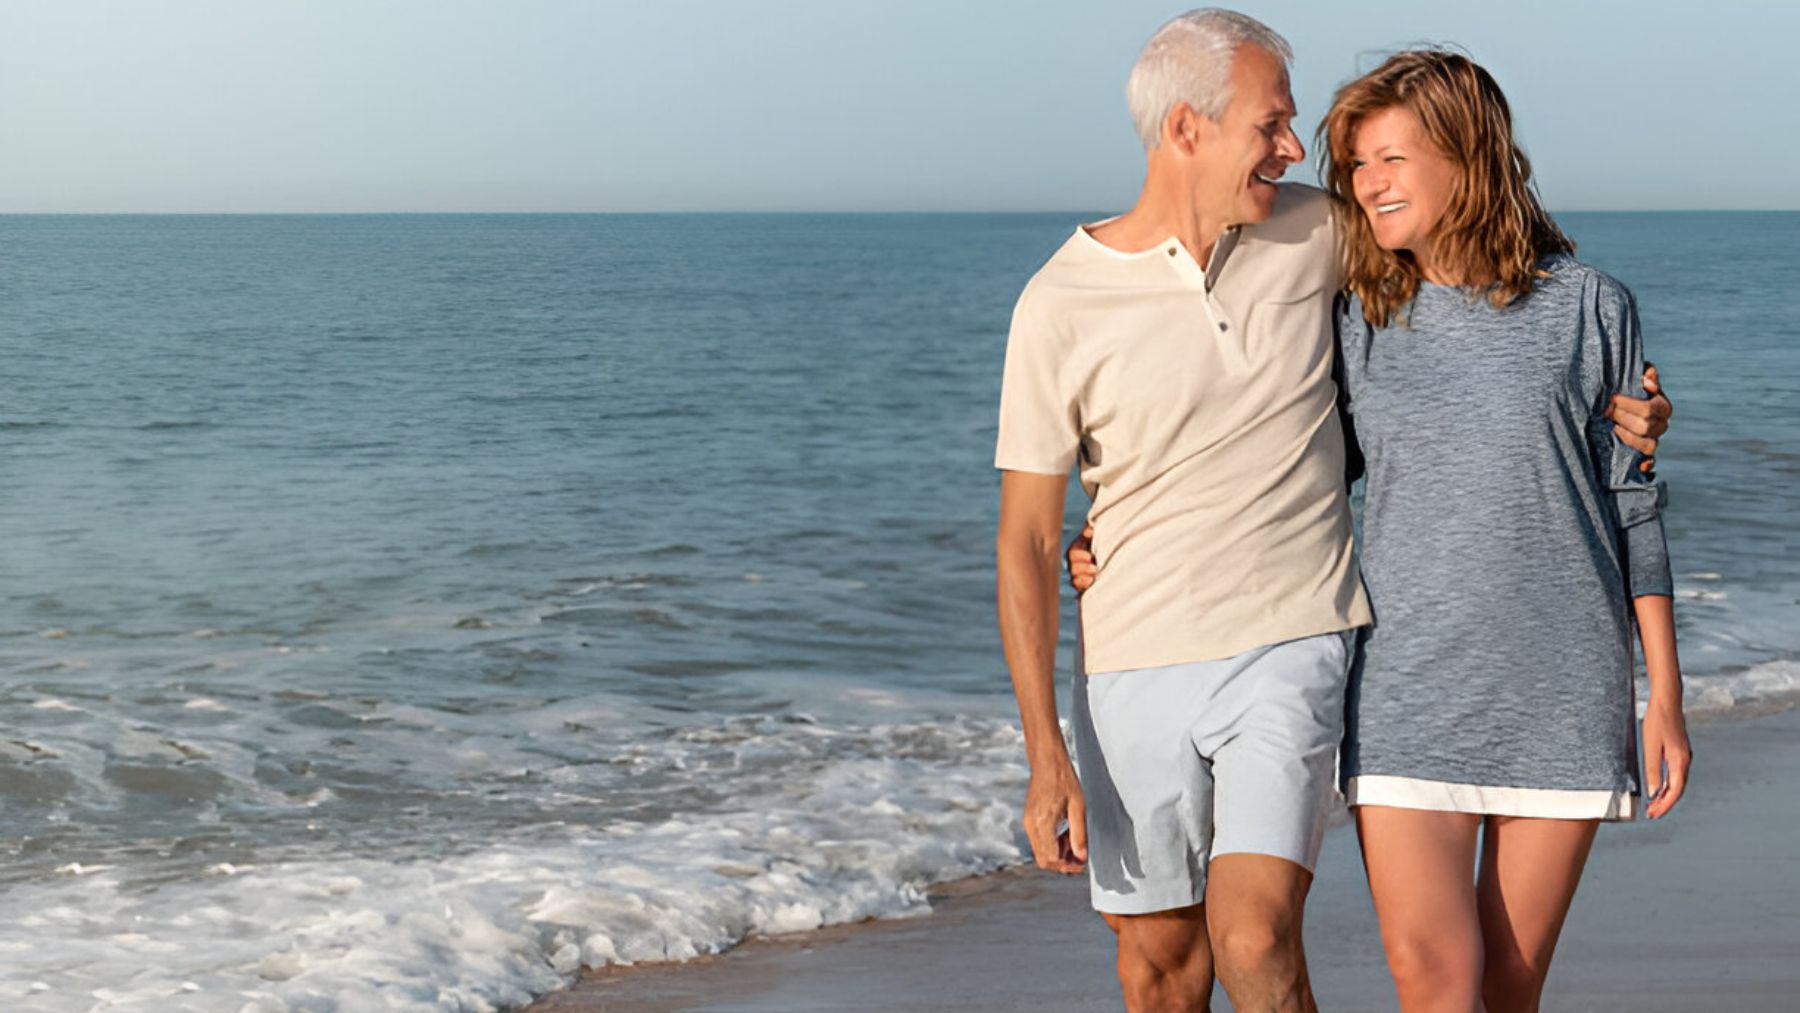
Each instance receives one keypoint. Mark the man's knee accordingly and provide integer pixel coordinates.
(1163, 951)
(1255, 912)
(1162, 938)
(1255, 940)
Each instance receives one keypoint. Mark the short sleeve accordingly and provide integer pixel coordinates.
(1637, 498)
(1040, 427)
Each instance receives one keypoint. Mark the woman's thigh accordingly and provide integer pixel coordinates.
(1529, 871)
(1421, 867)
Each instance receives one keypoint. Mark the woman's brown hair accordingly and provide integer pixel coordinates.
(1494, 230)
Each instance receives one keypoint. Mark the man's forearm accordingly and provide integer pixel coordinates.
(1027, 575)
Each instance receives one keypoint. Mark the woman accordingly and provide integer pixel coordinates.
(1509, 540)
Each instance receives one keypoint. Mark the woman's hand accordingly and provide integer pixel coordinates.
(1667, 755)
(1080, 556)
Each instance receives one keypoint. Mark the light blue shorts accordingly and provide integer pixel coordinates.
(1182, 763)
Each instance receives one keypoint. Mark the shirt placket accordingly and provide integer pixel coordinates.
(1225, 332)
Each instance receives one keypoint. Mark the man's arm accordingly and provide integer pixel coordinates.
(1026, 555)
(1640, 422)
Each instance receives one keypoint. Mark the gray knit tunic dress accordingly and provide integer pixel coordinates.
(1505, 531)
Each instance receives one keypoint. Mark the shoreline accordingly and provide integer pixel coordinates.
(1702, 907)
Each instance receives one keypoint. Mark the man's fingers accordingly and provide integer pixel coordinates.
(1041, 830)
(1049, 833)
(1636, 441)
(1629, 413)
(1620, 405)
(1652, 381)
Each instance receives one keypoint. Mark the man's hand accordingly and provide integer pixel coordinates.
(1640, 423)
(1080, 554)
(1056, 818)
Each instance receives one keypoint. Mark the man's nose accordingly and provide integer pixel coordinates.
(1289, 147)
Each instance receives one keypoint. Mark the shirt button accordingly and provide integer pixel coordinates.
(1171, 251)
(1222, 326)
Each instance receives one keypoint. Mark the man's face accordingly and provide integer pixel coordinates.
(1252, 144)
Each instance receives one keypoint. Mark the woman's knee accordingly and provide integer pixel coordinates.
(1512, 982)
(1432, 964)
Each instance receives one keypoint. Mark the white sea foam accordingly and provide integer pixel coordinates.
(1757, 685)
(859, 830)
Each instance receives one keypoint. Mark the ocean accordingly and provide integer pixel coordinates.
(401, 612)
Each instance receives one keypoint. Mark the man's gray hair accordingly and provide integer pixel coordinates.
(1189, 60)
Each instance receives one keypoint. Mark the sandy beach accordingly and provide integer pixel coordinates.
(1701, 910)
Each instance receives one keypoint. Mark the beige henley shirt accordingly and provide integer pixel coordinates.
(1200, 405)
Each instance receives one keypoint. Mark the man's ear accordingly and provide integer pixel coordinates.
(1186, 129)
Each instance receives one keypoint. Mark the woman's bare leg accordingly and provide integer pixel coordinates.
(1421, 867)
(1529, 870)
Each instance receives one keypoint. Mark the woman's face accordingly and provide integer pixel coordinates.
(1401, 180)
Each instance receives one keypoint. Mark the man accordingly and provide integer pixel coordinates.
(1182, 353)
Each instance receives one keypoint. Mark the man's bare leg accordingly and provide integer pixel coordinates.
(1254, 905)
(1165, 963)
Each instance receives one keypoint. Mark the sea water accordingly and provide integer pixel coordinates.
(401, 612)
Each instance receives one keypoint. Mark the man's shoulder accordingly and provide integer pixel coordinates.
(1302, 215)
(1077, 265)
(1293, 252)
(1078, 254)
(1302, 199)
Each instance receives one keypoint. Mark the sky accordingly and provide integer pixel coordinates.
(812, 105)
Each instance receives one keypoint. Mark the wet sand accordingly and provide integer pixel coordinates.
(1697, 911)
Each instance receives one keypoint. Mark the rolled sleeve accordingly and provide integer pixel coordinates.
(1637, 498)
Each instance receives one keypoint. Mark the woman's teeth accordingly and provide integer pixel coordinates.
(1389, 208)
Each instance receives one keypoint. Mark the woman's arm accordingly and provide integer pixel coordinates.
(1667, 754)
(1637, 503)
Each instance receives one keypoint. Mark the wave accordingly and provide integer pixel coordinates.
(877, 817)
(1749, 691)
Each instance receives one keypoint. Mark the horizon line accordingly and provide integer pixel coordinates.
(755, 211)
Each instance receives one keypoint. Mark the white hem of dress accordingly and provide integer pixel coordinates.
(1490, 800)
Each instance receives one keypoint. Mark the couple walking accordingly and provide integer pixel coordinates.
(1221, 360)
